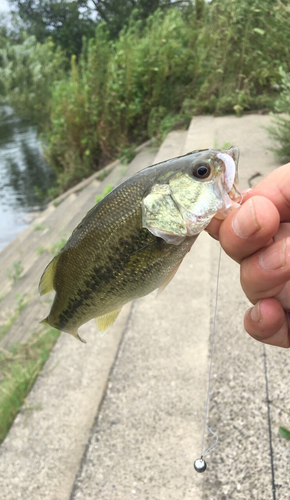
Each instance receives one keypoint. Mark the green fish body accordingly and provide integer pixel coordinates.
(135, 238)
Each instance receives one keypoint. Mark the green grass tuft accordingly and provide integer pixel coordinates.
(21, 305)
(106, 191)
(15, 274)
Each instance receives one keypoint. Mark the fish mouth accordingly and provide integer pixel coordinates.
(231, 195)
(234, 192)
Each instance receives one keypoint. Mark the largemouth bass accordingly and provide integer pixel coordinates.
(135, 238)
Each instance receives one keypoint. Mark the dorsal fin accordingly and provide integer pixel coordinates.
(104, 322)
(46, 280)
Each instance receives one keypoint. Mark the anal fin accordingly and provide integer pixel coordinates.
(104, 322)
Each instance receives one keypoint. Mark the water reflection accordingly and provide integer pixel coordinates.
(23, 174)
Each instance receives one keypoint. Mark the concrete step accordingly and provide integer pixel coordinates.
(26, 251)
(9, 253)
(172, 146)
(121, 419)
(60, 223)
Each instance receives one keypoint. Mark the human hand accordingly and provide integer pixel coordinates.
(257, 236)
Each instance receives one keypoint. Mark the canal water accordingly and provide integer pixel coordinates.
(24, 175)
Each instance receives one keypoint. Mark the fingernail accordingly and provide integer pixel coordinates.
(245, 221)
(274, 256)
(255, 313)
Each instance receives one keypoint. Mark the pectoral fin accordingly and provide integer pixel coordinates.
(104, 322)
(168, 279)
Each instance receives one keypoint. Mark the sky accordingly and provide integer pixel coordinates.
(4, 7)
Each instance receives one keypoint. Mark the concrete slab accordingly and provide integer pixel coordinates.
(148, 431)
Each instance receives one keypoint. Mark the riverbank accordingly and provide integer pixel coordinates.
(121, 416)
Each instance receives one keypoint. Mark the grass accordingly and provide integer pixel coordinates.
(5, 327)
(56, 247)
(106, 191)
(19, 369)
(14, 274)
(127, 154)
(102, 175)
(2, 296)
(53, 249)
(285, 433)
(40, 227)
(225, 145)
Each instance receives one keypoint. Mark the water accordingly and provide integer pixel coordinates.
(23, 171)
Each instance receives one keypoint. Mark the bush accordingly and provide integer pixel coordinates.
(154, 75)
(280, 130)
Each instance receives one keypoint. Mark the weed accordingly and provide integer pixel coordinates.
(56, 247)
(280, 129)
(102, 175)
(2, 296)
(20, 302)
(40, 250)
(285, 433)
(225, 145)
(128, 154)
(40, 227)
(15, 274)
(21, 305)
(41, 195)
(106, 191)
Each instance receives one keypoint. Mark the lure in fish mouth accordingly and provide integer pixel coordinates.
(135, 238)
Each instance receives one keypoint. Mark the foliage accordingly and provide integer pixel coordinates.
(280, 130)
(221, 57)
(19, 370)
(27, 74)
(61, 20)
(10, 31)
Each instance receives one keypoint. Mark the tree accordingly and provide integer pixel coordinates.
(116, 13)
(64, 21)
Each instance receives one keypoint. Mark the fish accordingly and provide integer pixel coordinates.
(133, 240)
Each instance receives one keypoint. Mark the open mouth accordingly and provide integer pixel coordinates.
(231, 195)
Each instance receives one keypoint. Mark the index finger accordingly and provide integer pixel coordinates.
(275, 187)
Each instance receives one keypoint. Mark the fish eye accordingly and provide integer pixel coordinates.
(201, 171)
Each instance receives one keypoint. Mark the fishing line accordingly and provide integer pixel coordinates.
(200, 463)
(269, 422)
